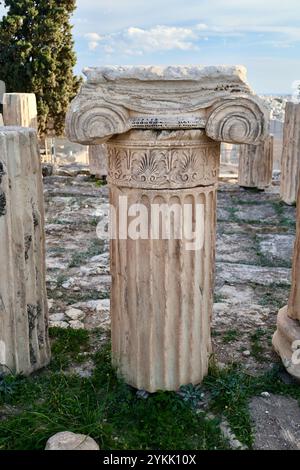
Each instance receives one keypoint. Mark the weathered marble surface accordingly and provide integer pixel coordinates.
(152, 159)
(294, 300)
(211, 75)
(163, 128)
(114, 100)
(19, 109)
(67, 440)
(290, 161)
(161, 292)
(98, 160)
(256, 164)
(24, 343)
(286, 340)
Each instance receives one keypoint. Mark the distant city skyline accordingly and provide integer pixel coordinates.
(263, 36)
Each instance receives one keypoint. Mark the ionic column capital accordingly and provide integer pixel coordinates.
(115, 100)
(237, 120)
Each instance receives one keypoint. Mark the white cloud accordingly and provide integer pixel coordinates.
(93, 36)
(160, 38)
(137, 41)
(201, 27)
(93, 40)
(93, 45)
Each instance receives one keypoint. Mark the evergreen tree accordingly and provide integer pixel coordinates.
(37, 56)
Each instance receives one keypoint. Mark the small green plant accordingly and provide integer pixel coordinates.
(232, 210)
(248, 202)
(218, 298)
(95, 248)
(7, 383)
(273, 299)
(67, 344)
(100, 182)
(93, 221)
(280, 208)
(256, 340)
(60, 280)
(230, 336)
(191, 394)
(215, 333)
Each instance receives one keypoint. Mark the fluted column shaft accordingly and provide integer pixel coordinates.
(286, 339)
(98, 160)
(24, 343)
(161, 290)
(290, 162)
(294, 300)
(20, 109)
(256, 164)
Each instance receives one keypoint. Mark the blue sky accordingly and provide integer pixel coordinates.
(263, 35)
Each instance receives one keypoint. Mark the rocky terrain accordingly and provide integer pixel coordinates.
(247, 400)
(255, 237)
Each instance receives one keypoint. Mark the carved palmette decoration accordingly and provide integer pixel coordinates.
(163, 167)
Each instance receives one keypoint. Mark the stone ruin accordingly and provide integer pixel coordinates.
(162, 129)
(286, 340)
(290, 162)
(256, 164)
(98, 162)
(24, 343)
(19, 109)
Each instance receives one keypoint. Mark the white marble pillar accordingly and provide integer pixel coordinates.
(162, 291)
(256, 164)
(286, 339)
(20, 109)
(98, 160)
(290, 161)
(24, 343)
(163, 128)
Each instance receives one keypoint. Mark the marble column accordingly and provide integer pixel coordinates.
(163, 128)
(229, 153)
(290, 162)
(256, 164)
(286, 339)
(24, 343)
(162, 291)
(98, 160)
(19, 109)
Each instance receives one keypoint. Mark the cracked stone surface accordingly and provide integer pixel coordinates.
(77, 261)
(255, 236)
(276, 247)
